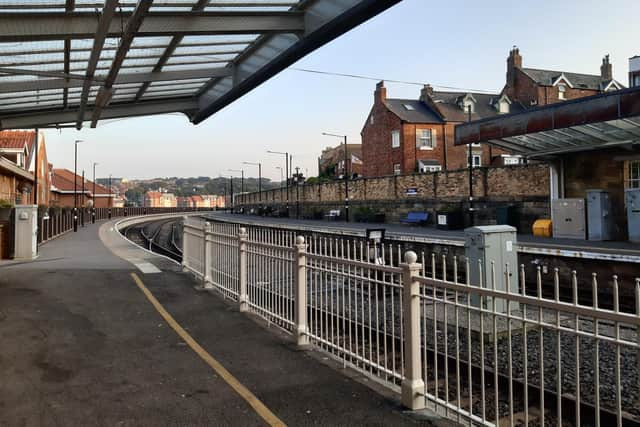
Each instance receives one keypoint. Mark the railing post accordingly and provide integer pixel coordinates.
(300, 287)
(185, 244)
(243, 295)
(206, 268)
(413, 383)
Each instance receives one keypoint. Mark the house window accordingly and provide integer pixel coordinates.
(634, 174)
(395, 139)
(425, 140)
(477, 160)
(561, 91)
(503, 107)
(396, 169)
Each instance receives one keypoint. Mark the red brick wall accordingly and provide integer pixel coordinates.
(378, 155)
(526, 90)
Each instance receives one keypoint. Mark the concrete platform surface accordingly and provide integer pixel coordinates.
(80, 344)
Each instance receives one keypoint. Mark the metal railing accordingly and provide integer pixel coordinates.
(54, 222)
(467, 351)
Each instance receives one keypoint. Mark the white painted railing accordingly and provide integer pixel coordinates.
(416, 325)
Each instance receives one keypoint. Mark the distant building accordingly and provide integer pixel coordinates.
(634, 71)
(533, 87)
(64, 195)
(332, 161)
(152, 199)
(18, 147)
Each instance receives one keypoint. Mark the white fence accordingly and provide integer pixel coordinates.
(415, 324)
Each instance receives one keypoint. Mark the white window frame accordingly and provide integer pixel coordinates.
(473, 160)
(395, 139)
(633, 180)
(396, 169)
(423, 139)
(561, 92)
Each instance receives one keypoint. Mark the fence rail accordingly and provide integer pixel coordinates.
(466, 350)
(53, 222)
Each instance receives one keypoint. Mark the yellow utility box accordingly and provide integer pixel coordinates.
(542, 228)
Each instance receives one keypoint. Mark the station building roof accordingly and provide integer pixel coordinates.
(590, 123)
(66, 62)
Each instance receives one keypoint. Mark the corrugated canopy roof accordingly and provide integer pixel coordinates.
(595, 122)
(70, 61)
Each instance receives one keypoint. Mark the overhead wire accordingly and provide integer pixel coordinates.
(362, 77)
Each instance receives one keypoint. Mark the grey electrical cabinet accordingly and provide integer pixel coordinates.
(492, 255)
(569, 218)
(599, 218)
(632, 198)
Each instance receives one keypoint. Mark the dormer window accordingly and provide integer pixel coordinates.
(468, 103)
(561, 91)
(502, 104)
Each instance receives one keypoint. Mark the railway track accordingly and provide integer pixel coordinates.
(157, 236)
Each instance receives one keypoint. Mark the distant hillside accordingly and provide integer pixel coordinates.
(194, 185)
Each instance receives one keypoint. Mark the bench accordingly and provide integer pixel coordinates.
(415, 218)
(333, 214)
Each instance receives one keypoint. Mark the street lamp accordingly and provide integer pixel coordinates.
(345, 173)
(75, 186)
(281, 176)
(109, 198)
(93, 212)
(259, 177)
(286, 166)
(241, 178)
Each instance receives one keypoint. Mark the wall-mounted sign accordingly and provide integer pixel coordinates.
(411, 192)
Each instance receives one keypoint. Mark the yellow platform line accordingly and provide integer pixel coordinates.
(236, 385)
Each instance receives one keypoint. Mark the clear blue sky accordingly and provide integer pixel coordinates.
(455, 43)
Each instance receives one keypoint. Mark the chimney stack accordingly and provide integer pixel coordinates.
(380, 95)
(606, 69)
(426, 92)
(634, 71)
(513, 61)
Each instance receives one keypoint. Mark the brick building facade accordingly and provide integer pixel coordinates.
(403, 136)
(332, 161)
(534, 87)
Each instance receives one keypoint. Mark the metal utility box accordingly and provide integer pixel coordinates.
(26, 232)
(569, 218)
(492, 245)
(599, 218)
(632, 199)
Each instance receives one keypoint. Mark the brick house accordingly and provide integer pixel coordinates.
(535, 87)
(62, 191)
(18, 147)
(634, 71)
(332, 161)
(402, 136)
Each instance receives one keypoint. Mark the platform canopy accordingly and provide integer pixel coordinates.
(591, 123)
(64, 62)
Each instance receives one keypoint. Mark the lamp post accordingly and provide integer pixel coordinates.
(346, 175)
(471, 213)
(109, 199)
(297, 178)
(75, 186)
(259, 177)
(281, 173)
(82, 202)
(93, 212)
(286, 168)
(241, 178)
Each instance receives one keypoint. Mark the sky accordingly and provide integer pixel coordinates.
(457, 43)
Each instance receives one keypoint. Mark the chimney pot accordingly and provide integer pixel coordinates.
(380, 95)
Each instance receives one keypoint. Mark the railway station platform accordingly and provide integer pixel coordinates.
(96, 331)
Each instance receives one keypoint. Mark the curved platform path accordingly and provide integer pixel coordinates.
(87, 338)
